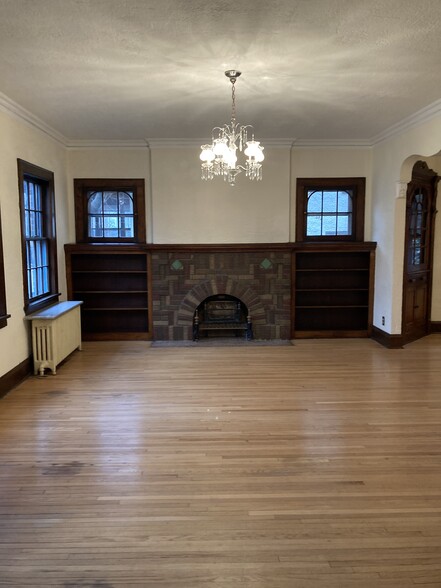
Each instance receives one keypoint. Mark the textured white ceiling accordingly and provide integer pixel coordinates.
(144, 69)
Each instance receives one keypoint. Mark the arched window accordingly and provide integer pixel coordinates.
(110, 211)
(329, 212)
(110, 214)
(330, 209)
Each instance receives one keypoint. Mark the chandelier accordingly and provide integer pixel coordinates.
(220, 158)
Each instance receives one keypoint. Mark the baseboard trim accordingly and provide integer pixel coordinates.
(435, 327)
(386, 339)
(15, 376)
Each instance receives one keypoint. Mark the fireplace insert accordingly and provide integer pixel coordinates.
(222, 313)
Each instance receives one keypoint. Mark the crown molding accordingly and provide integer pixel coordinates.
(424, 115)
(74, 144)
(334, 143)
(10, 107)
(196, 143)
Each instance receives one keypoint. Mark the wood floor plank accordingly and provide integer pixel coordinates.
(304, 466)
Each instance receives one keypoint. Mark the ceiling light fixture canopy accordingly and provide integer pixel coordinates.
(220, 158)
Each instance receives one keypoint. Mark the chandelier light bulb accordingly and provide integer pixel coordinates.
(207, 153)
(254, 149)
(220, 147)
(230, 158)
(220, 158)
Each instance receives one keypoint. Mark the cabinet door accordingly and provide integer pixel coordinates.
(415, 310)
(420, 216)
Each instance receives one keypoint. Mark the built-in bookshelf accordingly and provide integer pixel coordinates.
(113, 283)
(333, 290)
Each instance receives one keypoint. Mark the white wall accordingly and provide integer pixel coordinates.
(182, 208)
(187, 209)
(19, 140)
(332, 162)
(388, 217)
(115, 163)
(435, 164)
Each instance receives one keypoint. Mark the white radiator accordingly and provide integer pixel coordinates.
(56, 332)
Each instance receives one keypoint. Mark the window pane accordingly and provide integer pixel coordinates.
(37, 196)
(38, 267)
(125, 202)
(33, 292)
(38, 253)
(419, 221)
(126, 227)
(26, 194)
(95, 202)
(344, 202)
(329, 225)
(31, 232)
(45, 253)
(27, 224)
(314, 201)
(39, 281)
(31, 196)
(329, 201)
(111, 233)
(110, 222)
(313, 225)
(32, 261)
(45, 280)
(110, 226)
(344, 224)
(39, 224)
(95, 226)
(110, 205)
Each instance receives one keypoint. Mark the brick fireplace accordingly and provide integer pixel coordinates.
(184, 276)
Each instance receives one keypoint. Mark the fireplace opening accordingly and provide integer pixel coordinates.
(222, 315)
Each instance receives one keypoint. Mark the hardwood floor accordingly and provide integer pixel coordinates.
(312, 465)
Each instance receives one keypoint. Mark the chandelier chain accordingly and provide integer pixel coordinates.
(233, 101)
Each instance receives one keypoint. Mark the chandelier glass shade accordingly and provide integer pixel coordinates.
(220, 158)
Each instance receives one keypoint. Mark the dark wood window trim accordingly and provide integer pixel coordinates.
(3, 313)
(45, 178)
(357, 185)
(83, 186)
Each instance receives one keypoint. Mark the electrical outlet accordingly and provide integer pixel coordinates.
(383, 321)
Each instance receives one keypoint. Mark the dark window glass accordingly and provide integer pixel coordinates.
(418, 229)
